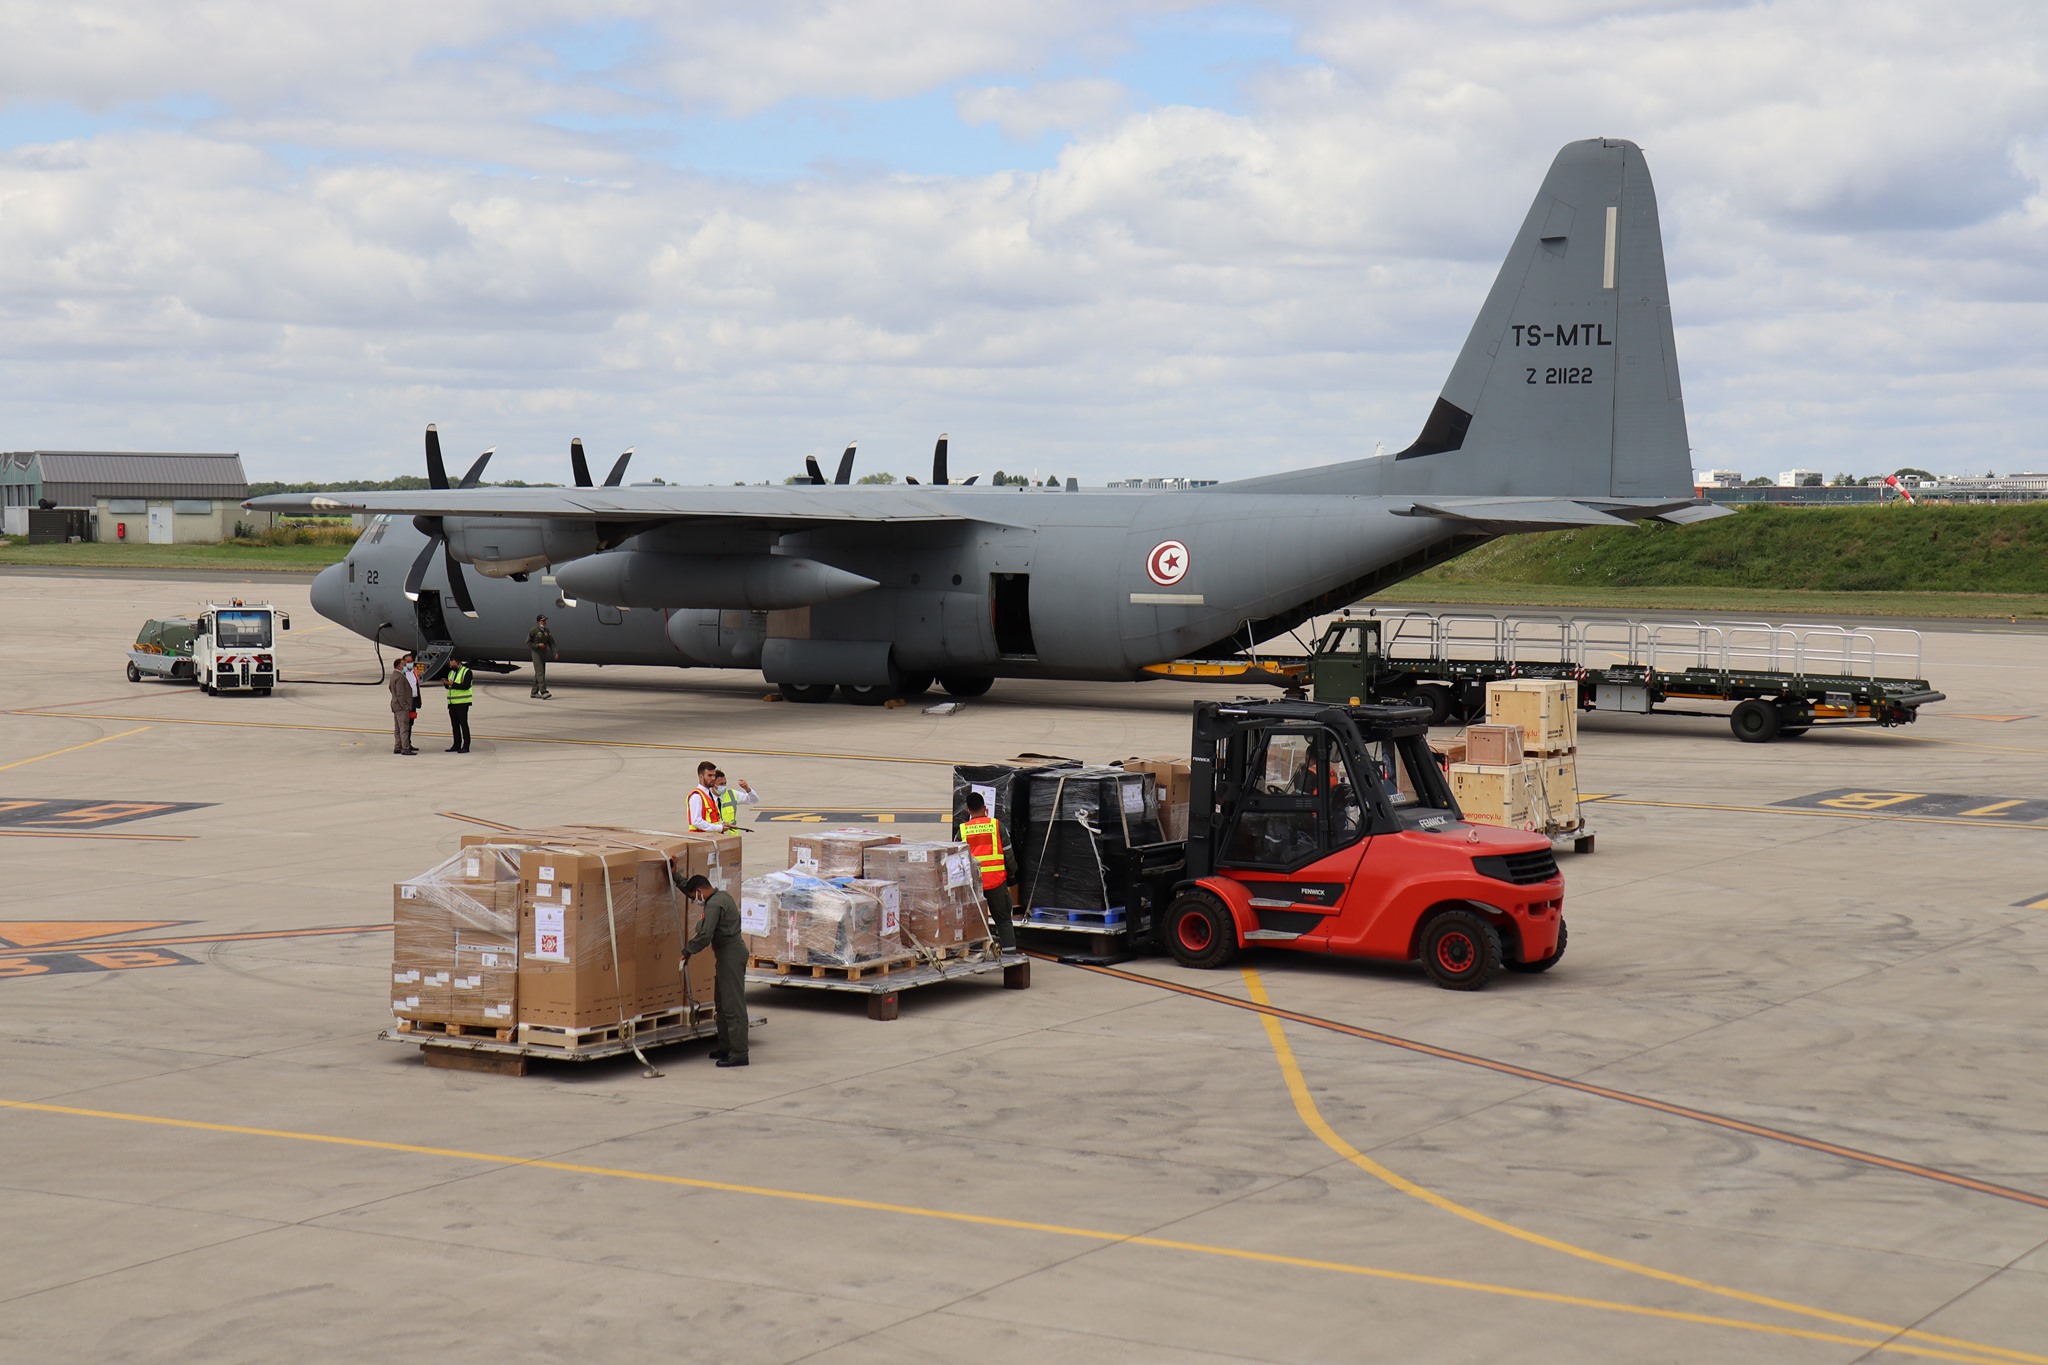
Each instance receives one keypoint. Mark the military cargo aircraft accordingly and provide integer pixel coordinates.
(1563, 409)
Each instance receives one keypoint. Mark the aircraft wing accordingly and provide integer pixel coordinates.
(791, 505)
(1504, 515)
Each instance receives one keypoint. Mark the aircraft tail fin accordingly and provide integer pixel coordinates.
(1567, 386)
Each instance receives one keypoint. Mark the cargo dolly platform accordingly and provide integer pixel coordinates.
(1782, 680)
(884, 990)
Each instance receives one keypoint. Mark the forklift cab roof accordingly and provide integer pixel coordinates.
(1372, 721)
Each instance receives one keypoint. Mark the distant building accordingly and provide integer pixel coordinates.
(1800, 478)
(1718, 478)
(155, 498)
(1161, 483)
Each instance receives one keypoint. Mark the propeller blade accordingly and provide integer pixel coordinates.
(611, 480)
(811, 464)
(418, 572)
(910, 478)
(476, 471)
(578, 466)
(437, 473)
(939, 460)
(970, 480)
(845, 474)
(458, 586)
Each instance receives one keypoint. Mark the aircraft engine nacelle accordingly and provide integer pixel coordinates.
(755, 582)
(500, 547)
(720, 639)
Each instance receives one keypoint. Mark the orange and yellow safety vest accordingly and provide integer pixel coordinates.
(984, 840)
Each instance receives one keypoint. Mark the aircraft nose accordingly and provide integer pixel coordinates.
(330, 592)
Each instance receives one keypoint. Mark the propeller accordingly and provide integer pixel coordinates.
(938, 464)
(612, 479)
(432, 528)
(845, 474)
(811, 465)
(578, 466)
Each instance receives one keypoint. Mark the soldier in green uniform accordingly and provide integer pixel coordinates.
(720, 931)
(460, 694)
(540, 642)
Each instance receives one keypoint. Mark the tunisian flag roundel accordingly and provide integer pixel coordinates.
(1168, 563)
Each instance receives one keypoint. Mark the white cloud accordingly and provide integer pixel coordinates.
(1026, 113)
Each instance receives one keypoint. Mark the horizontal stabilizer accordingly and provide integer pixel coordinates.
(1516, 514)
(1698, 511)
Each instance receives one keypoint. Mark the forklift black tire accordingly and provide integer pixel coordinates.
(1755, 722)
(1460, 950)
(1792, 731)
(134, 673)
(966, 684)
(1434, 698)
(1199, 932)
(805, 692)
(1544, 964)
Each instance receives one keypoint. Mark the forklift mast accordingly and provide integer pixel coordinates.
(1378, 756)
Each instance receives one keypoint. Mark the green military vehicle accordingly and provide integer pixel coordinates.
(163, 649)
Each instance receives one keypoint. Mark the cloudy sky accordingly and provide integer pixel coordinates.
(1101, 238)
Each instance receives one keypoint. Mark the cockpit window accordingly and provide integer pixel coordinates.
(374, 532)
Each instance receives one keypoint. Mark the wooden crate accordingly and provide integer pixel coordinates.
(1496, 793)
(1558, 781)
(1493, 744)
(1547, 709)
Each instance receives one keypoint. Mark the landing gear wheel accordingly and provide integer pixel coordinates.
(805, 692)
(1755, 722)
(1199, 932)
(134, 673)
(868, 696)
(1460, 950)
(1544, 964)
(916, 684)
(965, 684)
(1434, 698)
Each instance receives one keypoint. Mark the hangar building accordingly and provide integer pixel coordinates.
(153, 498)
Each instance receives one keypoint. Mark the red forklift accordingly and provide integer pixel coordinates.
(1328, 828)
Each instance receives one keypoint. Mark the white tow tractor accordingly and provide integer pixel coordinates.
(234, 646)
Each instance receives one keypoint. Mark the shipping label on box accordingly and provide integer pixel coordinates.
(550, 933)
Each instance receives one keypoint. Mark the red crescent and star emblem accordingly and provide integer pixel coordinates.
(1168, 563)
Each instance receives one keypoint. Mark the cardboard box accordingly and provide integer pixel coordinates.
(803, 920)
(1493, 744)
(1547, 709)
(834, 852)
(1502, 794)
(1174, 779)
(485, 987)
(570, 902)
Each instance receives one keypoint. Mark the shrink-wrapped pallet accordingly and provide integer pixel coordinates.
(456, 923)
(795, 918)
(834, 852)
(941, 892)
(1082, 821)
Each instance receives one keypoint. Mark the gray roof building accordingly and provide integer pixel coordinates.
(74, 478)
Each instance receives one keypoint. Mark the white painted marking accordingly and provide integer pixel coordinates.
(1607, 258)
(1167, 599)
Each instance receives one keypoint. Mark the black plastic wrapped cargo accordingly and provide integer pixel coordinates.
(1000, 784)
(1093, 854)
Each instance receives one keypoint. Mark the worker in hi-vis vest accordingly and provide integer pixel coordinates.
(984, 839)
(460, 694)
(704, 816)
(731, 796)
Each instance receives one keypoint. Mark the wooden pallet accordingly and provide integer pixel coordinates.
(606, 1037)
(434, 1028)
(843, 971)
(884, 991)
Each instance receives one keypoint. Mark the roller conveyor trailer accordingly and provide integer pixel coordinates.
(1782, 680)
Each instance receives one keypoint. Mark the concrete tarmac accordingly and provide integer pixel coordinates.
(1782, 1100)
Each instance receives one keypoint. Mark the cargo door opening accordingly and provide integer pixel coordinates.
(1010, 603)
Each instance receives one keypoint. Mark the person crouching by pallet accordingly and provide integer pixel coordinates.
(984, 839)
(719, 930)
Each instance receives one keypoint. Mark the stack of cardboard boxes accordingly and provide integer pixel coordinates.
(1520, 770)
(1173, 778)
(571, 927)
(856, 897)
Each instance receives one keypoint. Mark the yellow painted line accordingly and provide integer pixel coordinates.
(1311, 1115)
(501, 739)
(54, 753)
(1828, 814)
(1107, 1238)
(2041, 904)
